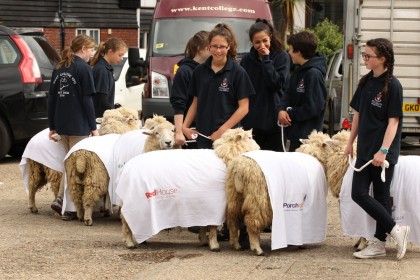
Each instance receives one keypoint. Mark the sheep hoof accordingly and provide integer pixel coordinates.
(215, 250)
(131, 246)
(88, 222)
(33, 209)
(259, 253)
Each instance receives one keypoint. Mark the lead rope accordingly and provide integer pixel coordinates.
(282, 135)
(384, 165)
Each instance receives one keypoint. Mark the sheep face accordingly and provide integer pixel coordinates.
(151, 123)
(119, 121)
(165, 134)
(233, 143)
(317, 147)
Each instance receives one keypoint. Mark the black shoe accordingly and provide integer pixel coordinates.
(223, 234)
(57, 205)
(267, 229)
(69, 216)
(194, 229)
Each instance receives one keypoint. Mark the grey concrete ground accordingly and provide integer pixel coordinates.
(42, 246)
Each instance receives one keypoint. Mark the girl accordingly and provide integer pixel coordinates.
(110, 52)
(71, 115)
(196, 52)
(220, 88)
(268, 65)
(377, 123)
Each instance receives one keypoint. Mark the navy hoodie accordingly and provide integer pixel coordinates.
(306, 96)
(179, 98)
(268, 77)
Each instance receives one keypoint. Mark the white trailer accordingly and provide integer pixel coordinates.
(396, 20)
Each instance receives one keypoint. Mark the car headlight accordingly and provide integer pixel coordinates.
(159, 86)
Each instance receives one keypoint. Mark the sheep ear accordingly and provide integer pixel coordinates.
(148, 132)
(304, 141)
(332, 142)
(99, 120)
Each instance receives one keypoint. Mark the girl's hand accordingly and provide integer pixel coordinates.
(94, 133)
(217, 134)
(348, 150)
(51, 134)
(264, 51)
(379, 158)
(188, 132)
(179, 138)
(284, 118)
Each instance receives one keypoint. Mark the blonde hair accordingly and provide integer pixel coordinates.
(113, 43)
(67, 57)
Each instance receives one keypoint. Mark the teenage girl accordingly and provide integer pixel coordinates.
(108, 53)
(377, 123)
(220, 87)
(70, 107)
(196, 52)
(268, 66)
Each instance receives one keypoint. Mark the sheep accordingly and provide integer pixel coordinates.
(297, 182)
(195, 178)
(89, 168)
(42, 161)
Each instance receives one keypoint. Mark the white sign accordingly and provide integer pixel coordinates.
(147, 3)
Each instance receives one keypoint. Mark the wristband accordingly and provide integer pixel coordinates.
(383, 150)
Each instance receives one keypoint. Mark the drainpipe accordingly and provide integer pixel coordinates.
(60, 15)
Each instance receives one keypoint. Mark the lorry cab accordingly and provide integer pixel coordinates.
(174, 22)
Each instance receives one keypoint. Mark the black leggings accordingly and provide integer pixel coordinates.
(378, 206)
(272, 142)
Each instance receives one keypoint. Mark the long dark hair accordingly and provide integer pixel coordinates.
(382, 48)
(264, 25)
(222, 29)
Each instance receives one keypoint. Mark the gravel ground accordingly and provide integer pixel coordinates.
(42, 246)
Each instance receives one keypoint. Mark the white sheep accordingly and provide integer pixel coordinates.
(285, 190)
(166, 189)
(89, 168)
(43, 160)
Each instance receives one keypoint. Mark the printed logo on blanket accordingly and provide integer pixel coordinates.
(161, 193)
(296, 206)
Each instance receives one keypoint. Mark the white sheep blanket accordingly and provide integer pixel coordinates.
(405, 191)
(129, 145)
(43, 150)
(169, 188)
(298, 194)
(100, 145)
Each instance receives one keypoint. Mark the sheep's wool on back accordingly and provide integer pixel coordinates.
(169, 188)
(298, 190)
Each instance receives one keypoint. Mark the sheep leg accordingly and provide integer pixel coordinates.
(88, 215)
(127, 234)
(202, 236)
(234, 236)
(36, 181)
(254, 242)
(213, 244)
(360, 244)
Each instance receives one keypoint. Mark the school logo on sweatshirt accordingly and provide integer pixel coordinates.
(301, 86)
(377, 100)
(224, 86)
(64, 81)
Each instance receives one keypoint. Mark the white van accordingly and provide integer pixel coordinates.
(129, 83)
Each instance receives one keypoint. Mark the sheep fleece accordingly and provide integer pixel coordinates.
(298, 190)
(169, 188)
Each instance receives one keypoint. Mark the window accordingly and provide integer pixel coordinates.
(8, 54)
(94, 33)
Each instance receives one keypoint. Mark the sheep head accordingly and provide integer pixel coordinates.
(152, 122)
(233, 143)
(316, 146)
(118, 121)
(161, 137)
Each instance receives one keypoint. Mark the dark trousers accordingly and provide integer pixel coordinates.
(272, 142)
(378, 206)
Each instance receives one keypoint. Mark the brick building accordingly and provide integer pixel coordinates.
(62, 20)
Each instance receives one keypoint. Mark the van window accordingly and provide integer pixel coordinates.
(118, 68)
(171, 35)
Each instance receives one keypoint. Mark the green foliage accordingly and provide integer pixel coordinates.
(330, 38)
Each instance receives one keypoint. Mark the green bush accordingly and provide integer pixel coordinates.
(330, 38)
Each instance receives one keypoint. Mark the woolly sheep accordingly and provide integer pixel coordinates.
(42, 161)
(296, 176)
(195, 177)
(89, 168)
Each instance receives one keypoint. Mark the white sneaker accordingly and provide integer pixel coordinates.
(400, 236)
(375, 248)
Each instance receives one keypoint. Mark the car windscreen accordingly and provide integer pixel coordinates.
(171, 35)
(46, 56)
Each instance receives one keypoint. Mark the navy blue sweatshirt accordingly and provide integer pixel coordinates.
(268, 77)
(306, 96)
(180, 100)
